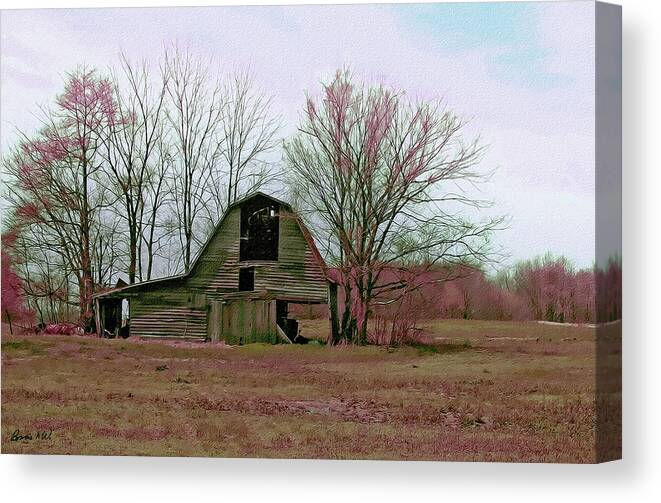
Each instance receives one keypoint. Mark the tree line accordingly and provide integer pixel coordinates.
(129, 172)
(546, 288)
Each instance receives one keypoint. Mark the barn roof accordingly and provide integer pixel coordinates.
(306, 233)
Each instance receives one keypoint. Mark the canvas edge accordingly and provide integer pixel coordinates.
(608, 227)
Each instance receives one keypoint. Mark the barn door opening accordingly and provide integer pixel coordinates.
(288, 325)
(281, 311)
(114, 318)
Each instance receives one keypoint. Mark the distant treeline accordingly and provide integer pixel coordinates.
(128, 173)
(545, 288)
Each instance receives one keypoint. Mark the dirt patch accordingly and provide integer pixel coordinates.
(179, 344)
(359, 411)
(22, 394)
(65, 349)
(349, 410)
(135, 433)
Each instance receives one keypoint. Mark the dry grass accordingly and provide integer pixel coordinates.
(486, 391)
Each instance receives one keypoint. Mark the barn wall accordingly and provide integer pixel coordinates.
(295, 274)
(168, 313)
(242, 321)
(217, 269)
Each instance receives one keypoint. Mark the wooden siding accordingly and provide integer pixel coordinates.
(296, 275)
(243, 321)
(168, 313)
(217, 268)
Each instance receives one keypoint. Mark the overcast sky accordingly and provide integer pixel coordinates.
(523, 73)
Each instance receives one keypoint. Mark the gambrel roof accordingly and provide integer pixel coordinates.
(318, 259)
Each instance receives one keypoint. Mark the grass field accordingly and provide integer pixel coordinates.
(491, 391)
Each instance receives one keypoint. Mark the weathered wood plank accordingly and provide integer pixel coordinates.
(282, 335)
(214, 321)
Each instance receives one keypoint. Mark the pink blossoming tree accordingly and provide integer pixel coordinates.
(56, 191)
(378, 177)
(14, 308)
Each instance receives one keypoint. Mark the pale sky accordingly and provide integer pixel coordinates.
(523, 73)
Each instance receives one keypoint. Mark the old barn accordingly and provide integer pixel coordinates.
(258, 261)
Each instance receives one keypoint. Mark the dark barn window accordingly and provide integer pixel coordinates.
(260, 226)
(246, 279)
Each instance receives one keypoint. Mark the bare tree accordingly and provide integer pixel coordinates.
(54, 177)
(248, 133)
(106, 251)
(130, 150)
(154, 235)
(378, 178)
(194, 116)
(47, 283)
(220, 138)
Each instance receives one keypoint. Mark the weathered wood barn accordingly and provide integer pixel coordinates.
(259, 260)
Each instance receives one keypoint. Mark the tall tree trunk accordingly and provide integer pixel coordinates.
(361, 335)
(187, 252)
(86, 282)
(133, 256)
(346, 328)
(334, 315)
(11, 330)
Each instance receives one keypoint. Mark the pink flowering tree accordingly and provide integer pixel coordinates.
(14, 306)
(379, 179)
(549, 288)
(55, 186)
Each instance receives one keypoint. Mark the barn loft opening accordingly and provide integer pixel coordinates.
(260, 229)
(246, 279)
